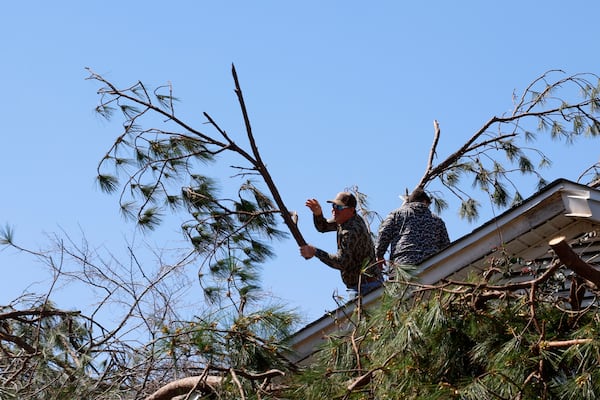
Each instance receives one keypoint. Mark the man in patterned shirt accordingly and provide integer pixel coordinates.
(355, 252)
(412, 232)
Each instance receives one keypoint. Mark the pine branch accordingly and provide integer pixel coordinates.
(205, 384)
(436, 139)
(366, 378)
(545, 344)
(285, 213)
(573, 261)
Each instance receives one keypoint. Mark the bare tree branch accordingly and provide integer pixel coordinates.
(285, 213)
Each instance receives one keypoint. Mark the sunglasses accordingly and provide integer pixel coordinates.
(338, 207)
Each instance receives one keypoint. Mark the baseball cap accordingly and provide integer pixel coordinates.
(344, 199)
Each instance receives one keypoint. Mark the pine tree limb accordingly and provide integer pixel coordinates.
(572, 261)
(185, 385)
(563, 343)
(264, 172)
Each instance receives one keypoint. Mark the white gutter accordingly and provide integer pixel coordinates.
(582, 204)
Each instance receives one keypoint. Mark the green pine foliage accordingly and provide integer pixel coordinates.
(562, 108)
(439, 343)
(44, 353)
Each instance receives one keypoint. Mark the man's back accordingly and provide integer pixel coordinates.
(413, 233)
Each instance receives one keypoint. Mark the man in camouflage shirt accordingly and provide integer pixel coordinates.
(412, 232)
(355, 251)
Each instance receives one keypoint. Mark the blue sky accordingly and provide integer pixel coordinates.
(339, 94)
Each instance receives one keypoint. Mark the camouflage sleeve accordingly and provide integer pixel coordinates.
(328, 259)
(346, 256)
(322, 224)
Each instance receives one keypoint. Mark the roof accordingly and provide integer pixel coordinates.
(562, 208)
